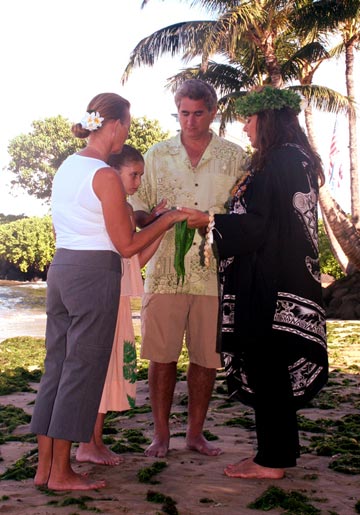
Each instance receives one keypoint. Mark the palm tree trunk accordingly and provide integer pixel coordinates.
(343, 236)
(354, 180)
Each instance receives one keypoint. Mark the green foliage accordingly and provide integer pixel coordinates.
(144, 133)
(28, 244)
(36, 156)
(328, 263)
(183, 241)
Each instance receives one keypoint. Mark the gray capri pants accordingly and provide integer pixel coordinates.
(83, 291)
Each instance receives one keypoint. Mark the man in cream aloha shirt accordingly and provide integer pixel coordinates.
(196, 168)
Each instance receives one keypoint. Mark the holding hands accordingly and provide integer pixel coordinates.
(195, 219)
(160, 211)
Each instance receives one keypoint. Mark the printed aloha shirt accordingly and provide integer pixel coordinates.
(170, 175)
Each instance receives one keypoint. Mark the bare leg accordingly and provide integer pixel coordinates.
(96, 451)
(45, 448)
(200, 385)
(162, 381)
(62, 476)
(248, 469)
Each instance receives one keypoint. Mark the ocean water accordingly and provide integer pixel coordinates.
(22, 309)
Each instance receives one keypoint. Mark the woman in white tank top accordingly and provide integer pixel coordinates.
(93, 230)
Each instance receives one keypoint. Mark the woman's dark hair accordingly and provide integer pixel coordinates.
(127, 155)
(110, 106)
(277, 127)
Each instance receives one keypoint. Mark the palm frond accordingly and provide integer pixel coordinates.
(337, 50)
(223, 77)
(215, 6)
(313, 53)
(325, 99)
(227, 107)
(324, 15)
(172, 39)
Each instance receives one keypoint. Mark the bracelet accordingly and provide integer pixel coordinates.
(209, 239)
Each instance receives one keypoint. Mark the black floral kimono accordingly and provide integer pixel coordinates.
(271, 297)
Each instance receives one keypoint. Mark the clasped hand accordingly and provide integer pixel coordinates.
(196, 219)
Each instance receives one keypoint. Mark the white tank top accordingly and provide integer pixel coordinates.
(76, 210)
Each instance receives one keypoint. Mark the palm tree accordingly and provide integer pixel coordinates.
(258, 39)
(342, 18)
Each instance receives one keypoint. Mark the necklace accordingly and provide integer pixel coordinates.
(241, 185)
(238, 190)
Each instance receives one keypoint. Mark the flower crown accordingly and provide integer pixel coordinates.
(267, 98)
(91, 121)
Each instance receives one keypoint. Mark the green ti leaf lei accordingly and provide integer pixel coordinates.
(183, 241)
(267, 98)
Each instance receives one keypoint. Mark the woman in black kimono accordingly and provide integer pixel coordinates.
(272, 323)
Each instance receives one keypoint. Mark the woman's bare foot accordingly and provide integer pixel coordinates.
(248, 469)
(158, 448)
(74, 481)
(41, 478)
(201, 445)
(97, 453)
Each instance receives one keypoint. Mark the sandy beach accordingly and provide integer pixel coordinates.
(192, 484)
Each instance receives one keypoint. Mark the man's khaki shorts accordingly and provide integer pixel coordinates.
(166, 318)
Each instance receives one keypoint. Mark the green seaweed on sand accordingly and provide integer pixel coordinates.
(21, 362)
(146, 474)
(121, 447)
(210, 437)
(293, 502)
(168, 504)
(342, 442)
(242, 421)
(135, 436)
(24, 468)
(319, 425)
(129, 441)
(131, 413)
(17, 380)
(12, 417)
(346, 464)
(80, 502)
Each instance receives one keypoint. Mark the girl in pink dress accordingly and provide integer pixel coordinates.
(119, 390)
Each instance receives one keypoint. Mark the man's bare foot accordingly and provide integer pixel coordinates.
(201, 445)
(158, 448)
(248, 469)
(98, 454)
(74, 481)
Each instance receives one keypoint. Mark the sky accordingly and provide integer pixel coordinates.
(58, 54)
